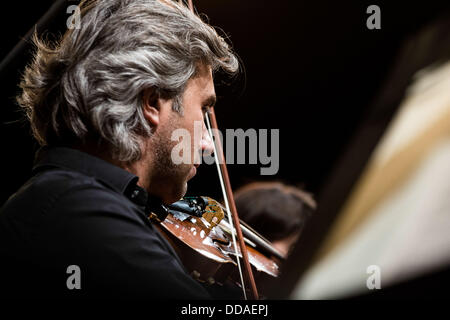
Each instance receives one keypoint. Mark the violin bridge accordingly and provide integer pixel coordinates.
(213, 213)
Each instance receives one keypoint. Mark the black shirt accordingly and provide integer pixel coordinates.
(78, 210)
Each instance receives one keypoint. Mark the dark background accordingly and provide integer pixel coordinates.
(312, 70)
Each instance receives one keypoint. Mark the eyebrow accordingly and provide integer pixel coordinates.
(210, 101)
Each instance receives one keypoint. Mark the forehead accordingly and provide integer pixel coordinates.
(201, 86)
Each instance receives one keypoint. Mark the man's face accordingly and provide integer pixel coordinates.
(168, 177)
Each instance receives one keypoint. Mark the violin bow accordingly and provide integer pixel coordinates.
(229, 198)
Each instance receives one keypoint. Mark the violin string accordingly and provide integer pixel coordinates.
(250, 229)
(226, 203)
(246, 226)
(226, 226)
(257, 237)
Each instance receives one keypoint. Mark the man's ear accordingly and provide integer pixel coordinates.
(151, 107)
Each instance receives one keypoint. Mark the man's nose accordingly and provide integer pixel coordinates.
(207, 143)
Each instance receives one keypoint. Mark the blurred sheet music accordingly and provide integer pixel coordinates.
(398, 215)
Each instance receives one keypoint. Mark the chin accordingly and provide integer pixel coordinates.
(175, 195)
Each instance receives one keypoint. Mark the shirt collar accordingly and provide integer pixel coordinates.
(117, 178)
(72, 159)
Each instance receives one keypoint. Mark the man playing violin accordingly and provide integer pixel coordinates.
(103, 103)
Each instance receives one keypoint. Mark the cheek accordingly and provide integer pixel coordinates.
(197, 128)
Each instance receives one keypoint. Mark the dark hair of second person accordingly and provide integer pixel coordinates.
(275, 210)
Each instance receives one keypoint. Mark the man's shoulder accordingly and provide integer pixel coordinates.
(58, 181)
(86, 224)
(58, 204)
(48, 188)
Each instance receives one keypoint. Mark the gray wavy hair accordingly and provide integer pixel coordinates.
(90, 84)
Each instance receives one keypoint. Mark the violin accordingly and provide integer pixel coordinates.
(199, 231)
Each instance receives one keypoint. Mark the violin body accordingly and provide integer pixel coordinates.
(196, 229)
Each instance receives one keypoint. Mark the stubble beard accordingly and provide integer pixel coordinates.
(170, 177)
